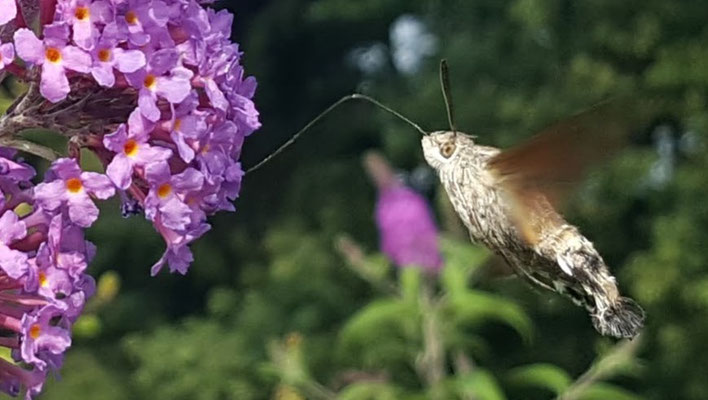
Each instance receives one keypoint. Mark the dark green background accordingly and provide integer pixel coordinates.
(271, 269)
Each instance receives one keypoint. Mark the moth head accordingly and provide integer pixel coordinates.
(443, 148)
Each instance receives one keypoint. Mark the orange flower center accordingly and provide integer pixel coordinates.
(130, 148)
(42, 279)
(34, 331)
(53, 54)
(150, 81)
(81, 13)
(104, 55)
(164, 190)
(178, 124)
(74, 185)
(131, 17)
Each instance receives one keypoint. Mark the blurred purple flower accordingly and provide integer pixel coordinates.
(407, 230)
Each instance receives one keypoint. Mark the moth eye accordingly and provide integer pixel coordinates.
(447, 149)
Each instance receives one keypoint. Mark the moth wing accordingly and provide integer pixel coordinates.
(538, 174)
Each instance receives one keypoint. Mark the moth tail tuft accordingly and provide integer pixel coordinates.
(623, 319)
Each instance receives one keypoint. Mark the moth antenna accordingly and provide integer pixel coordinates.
(390, 111)
(355, 96)
(445, 86)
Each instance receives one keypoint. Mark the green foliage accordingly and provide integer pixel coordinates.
(369, 391)
(481, 384)
(544, 376)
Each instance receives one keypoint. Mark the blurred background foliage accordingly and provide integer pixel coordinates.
(272, 310)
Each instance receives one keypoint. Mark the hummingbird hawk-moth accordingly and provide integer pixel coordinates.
(505, 199)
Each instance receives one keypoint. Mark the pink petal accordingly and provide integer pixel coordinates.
(103, 74)
(76, 59)
(28, 46)
(9, 11)
(129, 60)
(54, 86)
(120, 171)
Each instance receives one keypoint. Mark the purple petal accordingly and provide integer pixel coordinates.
(9, 11)
(117, 139)
(50, 195)
(146, 103)
(101, 11)
(65, 168)
(186, 152)
(159, 13)
(57, 282)
(139, 127)
(190, 180)
(150, 154)
(13, 262)
(98, 185)
(28, 46)
(179, 259)
(173, 90)
(175, 214)
(7, 54)
(120, 170)
(155, 269)
(76, 59)
(84, 34)
(216, 97)
(129, 60)
(54, 86)
(11, 228)
(82, 211)
(56, 34)
(162, 61)
(158, 172)
(73, 262)
(136, 79)
(103, 74)
(55, 340)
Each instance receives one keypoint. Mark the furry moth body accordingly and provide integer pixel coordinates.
(520, 224)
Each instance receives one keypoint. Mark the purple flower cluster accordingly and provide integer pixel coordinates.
(155, 89)
(43, 259)
(407, 229)
(177, 153)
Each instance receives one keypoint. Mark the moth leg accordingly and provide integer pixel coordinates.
(532, 280)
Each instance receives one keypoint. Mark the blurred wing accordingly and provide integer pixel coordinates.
(536, 175)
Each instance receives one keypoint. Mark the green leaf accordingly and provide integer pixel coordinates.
(462, 260)
(475, 307)
(381, 317)
(546, 376)
(370, 391)
(604, 391)
(410, 279)
(481, 384)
